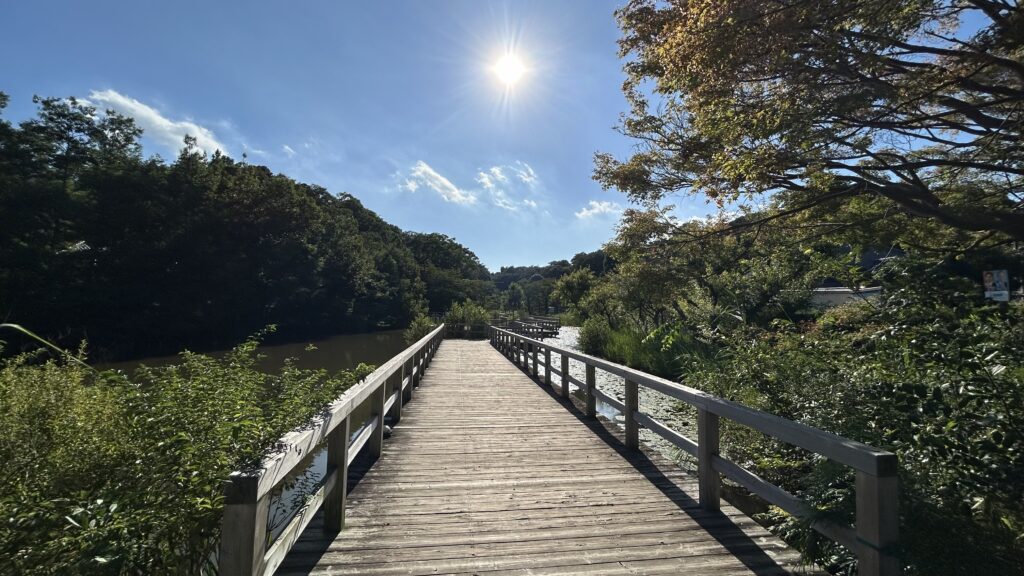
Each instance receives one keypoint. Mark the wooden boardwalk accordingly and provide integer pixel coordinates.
(490, 472)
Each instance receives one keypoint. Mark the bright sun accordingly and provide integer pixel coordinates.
(509, 69)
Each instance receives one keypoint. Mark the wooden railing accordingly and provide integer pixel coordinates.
(467, 331)
(244, 540)
(876, 534)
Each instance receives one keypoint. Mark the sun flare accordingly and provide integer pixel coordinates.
(509, 69)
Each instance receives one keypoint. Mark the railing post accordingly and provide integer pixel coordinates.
(243, 540)
(337, 459)
(878, 522)
(547, 366)
(632, 402)
(591, 388)
(565, 376)
(710, 484)
(396, 387)
(407, 388)
(375, 445)
(533, 348)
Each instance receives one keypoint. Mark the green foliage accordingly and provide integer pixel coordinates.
(110, 474)
(571, 288)
(467, 320)
(515, 298)
(929, 371)
(467, 313)
(146, 257)
(734, 99)
(450, 271)
(420, 327)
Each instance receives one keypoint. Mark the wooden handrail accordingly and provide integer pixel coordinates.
(873, 539)
(243, 548)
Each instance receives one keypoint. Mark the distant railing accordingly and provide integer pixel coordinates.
(467, 332)
(244, 541)
(877, 522)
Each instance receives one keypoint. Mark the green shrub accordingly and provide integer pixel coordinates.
(930, 372)
(467, 314)
(595, 334)
(110, 474)
(420, 327)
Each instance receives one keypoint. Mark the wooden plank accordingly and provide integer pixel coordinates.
(337, 461)
(297, 445)
(632, 405)
(359, 441)
(659, 428)
(286, 540)
(590, 387)
(243, 527)
(471, 482)
(877, 525)
(707, 449)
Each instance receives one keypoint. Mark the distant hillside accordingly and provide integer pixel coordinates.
(142, 256)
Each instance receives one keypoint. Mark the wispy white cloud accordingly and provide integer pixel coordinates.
(508, 185)
(423, 175)
(288, 151)
(525, 173)
(596, 208)
(498, 174)
(500, 199)
(170, 133)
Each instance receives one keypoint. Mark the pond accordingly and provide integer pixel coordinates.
(342, 352)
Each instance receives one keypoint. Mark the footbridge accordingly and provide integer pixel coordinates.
(499, 463)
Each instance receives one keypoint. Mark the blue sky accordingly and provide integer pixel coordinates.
(395, 102)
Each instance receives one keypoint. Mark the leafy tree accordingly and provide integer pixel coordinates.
(452, 273)
(571, 288)
(597, 261)
(905, 101)
(515, 297)
(146, 257)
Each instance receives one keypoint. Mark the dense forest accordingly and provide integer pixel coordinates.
(141, 256)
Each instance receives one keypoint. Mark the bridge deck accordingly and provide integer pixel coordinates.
(488, 472)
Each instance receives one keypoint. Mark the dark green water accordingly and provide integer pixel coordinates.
(332, 354)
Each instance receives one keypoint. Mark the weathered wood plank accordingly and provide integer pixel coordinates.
(491, 471)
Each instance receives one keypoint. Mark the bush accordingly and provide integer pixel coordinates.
(107, 474)
(930, 372)
(595, 334)
(420, 327)
(467, 314)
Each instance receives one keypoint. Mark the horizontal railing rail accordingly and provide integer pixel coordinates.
(244, 546)
(466, 331)
(873, 539)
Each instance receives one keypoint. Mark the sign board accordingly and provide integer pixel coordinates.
(997, 285)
